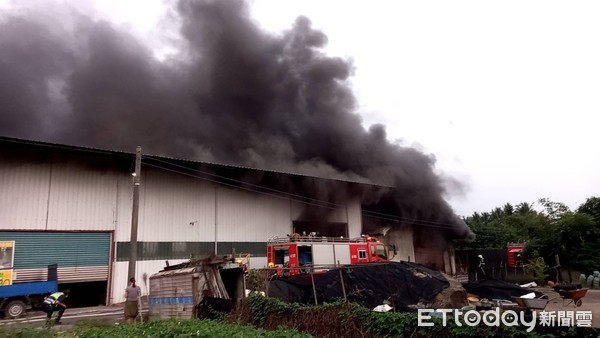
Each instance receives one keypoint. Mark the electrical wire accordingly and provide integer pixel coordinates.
(299, 198)
(387, 216)
(245, 183)
(381, 216)
(238, 187)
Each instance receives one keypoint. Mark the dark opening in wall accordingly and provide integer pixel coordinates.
(233, 279)
(85, 294)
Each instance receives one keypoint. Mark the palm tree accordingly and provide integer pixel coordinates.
(497, 213)
(508, 209)
(524, 208)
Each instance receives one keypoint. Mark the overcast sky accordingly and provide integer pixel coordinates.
(505, 94)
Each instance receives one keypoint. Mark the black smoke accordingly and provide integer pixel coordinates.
(232, 94)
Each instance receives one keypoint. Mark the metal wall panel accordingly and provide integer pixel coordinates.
(124, 203)
(354, 218)
(24, 190)
(82, 198)
(250, 217)
(55, 194)
(168, 204)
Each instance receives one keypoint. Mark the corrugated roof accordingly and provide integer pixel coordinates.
(183, 271)
(175, 159)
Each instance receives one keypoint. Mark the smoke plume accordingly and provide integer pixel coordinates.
(233, 94)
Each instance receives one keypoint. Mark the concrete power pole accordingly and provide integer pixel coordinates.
(134, 213)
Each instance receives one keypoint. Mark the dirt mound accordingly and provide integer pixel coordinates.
(454, 296)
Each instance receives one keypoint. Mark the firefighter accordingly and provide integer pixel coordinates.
(55, 302)
(519, 259)
(481, 263)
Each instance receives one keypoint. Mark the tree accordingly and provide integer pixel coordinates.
(524, 208)
(508, 209)
(553, 209)
(578, 240)
(497, 213)
(574, 236)
(591, 207)
(493, 230)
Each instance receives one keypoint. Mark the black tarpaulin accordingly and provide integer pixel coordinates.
(497, 289)
(404, 284)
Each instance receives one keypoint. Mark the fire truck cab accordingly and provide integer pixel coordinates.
(296, 253)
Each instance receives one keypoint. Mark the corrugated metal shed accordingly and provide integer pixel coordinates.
(176, 293)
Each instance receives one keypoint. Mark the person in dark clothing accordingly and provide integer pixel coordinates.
(481, 264)
(56, 302)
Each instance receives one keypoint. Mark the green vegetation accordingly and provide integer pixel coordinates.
(556, 230)
(269, 317)
(158, 329)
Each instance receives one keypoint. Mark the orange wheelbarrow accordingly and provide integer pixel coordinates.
(573, 296)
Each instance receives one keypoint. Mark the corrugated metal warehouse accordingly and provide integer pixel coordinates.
(72, 206)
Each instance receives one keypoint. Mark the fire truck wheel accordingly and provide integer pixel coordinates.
(14, 309)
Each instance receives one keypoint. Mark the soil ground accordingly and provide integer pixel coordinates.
(591, 302)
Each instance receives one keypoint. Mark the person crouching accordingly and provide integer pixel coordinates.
(55, 302)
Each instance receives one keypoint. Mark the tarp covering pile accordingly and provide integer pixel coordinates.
(497, 289)
(405, 285)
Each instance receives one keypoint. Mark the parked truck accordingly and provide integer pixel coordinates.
(17, 298)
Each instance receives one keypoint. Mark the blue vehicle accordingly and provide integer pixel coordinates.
(16, 299)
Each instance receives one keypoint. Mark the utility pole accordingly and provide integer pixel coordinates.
(134, 213)
(216, 220)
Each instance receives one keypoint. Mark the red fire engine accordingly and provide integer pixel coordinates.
(515, 251)
(298, 252)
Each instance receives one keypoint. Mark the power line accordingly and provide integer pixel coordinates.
(381, 216)
(246, 183)
(406, 218)
(412, 223)
(300, 198)
(388, 216)
(236, 186)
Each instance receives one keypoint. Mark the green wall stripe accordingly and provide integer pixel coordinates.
(67, 249)
(182, 250)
